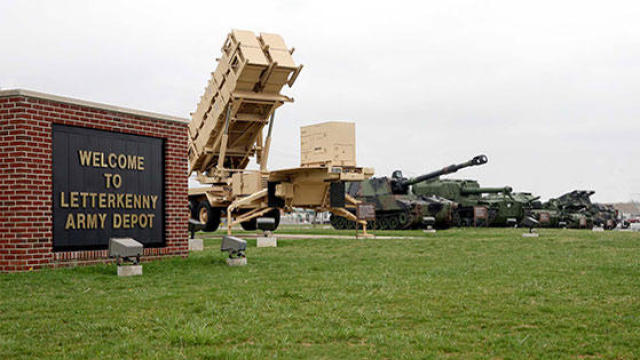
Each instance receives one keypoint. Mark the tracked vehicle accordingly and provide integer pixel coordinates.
(473, 208)
(575, 210)
(396, 207)
(509, 208)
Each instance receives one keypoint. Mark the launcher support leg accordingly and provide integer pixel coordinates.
(347, 214)
(225, 139)
(251, 214)
(364, 230)
(267, 145)
(229, 218)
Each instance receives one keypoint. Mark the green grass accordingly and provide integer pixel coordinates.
(459, 294)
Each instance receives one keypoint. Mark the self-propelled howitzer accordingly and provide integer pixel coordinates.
(509, 208)
(396, 208)
(469, 190)
(470, 196)
(400, 184)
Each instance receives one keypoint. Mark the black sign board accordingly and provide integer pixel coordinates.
(105, 185)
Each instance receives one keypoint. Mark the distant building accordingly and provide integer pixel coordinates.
(629, 209)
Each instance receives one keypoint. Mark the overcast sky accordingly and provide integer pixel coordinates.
(548, 90)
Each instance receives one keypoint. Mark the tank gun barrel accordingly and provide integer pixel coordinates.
(477, 160)
(486, 190)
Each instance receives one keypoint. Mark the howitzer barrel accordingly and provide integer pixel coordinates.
(486, 190)
(477, 160)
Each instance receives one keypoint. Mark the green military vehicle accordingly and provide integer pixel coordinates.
(510, 207)
(572, 210)
(605, 215)
(473, 208)
(396, 207)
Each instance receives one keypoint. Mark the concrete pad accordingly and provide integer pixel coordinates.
(527, 235)
(635, 227)
(196, 245)
(597, 229)
(129, 270)
(241, 261)
(267, 242)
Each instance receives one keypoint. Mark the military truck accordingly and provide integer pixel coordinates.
(396, 208)
(226, 132)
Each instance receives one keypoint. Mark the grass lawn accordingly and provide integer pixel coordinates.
(462, 293)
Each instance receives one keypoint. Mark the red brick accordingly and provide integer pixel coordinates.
(25, 180)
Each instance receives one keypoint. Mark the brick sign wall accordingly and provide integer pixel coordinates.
(154, 146)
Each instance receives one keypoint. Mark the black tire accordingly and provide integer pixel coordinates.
(383, 223)
(193, 208)
(252, 224)
(209, 216)
(394, 224)
(275, 214)
(336, 222)
(371, 225)
(339, 222)
(249, 225)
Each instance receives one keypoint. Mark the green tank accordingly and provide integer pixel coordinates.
(468, 194)
(396, 207)
(605, 215)
(510, 207)
(571, 210)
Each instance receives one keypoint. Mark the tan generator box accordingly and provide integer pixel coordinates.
(247, 183)
(328, 144)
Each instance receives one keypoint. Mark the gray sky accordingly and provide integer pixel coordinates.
(549, 90)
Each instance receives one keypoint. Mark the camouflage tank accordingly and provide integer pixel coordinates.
(571, 210)
(468, 195)
(602, 215)
(547, 217)
(511, 207)
(396, 207)
(605, 215)
(575, 209)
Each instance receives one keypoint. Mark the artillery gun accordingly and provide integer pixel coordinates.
(397, 208)
(602, 215)
(226, 133)
(473, 208)
(510, 207)
(605, 215)
(569, 211)
(575, 210)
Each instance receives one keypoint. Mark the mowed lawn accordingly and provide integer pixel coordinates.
(461, 293)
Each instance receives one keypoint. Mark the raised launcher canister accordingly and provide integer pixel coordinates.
(242, 94)
(226, 132)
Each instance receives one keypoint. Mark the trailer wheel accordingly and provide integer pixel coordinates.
(209, 216)
(252, 224)
(249, 225)
(193, 208)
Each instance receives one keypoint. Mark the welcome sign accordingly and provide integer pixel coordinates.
(106, 185)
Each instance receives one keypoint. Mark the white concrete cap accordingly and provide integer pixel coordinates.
(95, 105)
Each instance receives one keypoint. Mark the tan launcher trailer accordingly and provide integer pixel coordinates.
(226, 132)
